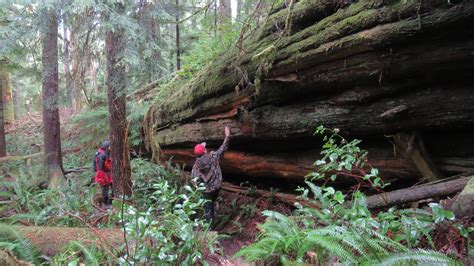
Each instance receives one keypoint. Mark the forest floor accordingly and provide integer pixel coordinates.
(238, 213)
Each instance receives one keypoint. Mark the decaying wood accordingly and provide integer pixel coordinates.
(412, 147)
(6, 258)
(369, 68)
(288, 166)
(289, 199)
(417, 193)
(51, 240)
(464, 203)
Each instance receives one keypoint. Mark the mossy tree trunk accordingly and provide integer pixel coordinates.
(51, 122)
(370, 68)
(116, 95)
(7, 95)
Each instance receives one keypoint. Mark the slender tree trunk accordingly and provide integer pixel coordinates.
(116, 94)
(8, 111)
(17, 101)
(67, 71)
(3, 84)
(178, 52)
(171, 37)
(224, 12)
(51, 123)
(95, 85)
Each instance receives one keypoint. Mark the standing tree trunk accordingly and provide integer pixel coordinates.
(67, 70)
(171, 30)
(3, 84)
(17, 101)
(178, 52)
(7, 95)
(51, 123)
(116, 95)
(224, 12)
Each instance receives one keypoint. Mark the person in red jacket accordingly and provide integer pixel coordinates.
(103, 174)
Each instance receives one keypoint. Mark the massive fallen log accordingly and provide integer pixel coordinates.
(51, 240)
(370, 68)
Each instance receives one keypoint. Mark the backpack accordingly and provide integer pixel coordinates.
(94, 162)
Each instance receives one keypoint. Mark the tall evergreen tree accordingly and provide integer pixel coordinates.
(116, 94)
(51, 123)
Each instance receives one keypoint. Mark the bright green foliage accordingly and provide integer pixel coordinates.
(342, 157)
(166, 216)
(76, 253)
(347, 229)
(10, 240)
(50, 206)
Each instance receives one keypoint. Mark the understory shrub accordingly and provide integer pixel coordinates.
(343, 229)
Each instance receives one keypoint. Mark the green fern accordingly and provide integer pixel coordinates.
(419, 256)
(20, 247)
(87, 253)
(349, 243)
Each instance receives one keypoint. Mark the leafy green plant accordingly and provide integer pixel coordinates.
(164, 224)
(77, 253)
(341, 157)
(342, 226)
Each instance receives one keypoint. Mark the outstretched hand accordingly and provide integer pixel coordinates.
(227, 131)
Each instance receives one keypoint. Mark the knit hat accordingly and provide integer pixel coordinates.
(199, 149)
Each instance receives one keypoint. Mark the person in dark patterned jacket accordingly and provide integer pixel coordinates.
(206, 170)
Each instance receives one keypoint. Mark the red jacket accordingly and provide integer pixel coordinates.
(103, 175)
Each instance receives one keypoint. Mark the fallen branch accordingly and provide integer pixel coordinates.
(76, 170)
(417, 193)
(283, 197)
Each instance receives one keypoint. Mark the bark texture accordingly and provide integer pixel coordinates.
(3, 84)
(51, 123)
(417, 193)
(7, 94)
(370, 68)
(116, 95)
(51, 240)
(67, 68)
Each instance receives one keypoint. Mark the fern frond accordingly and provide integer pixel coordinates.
(88, 255)
(428, 257)
(22, 248)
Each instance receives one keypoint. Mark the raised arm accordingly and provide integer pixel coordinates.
(225, 144)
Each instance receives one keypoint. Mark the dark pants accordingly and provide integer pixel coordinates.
(209, 205)
(105, 194)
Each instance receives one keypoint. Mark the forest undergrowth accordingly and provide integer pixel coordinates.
(163, 222)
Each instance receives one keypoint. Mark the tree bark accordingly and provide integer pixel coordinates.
(171, 44)
(17, 102)
(7, 95)
(224, 12)
(67, 69)
(51, 240)
(3, 84)
(178, 48)
(416, 193)
(369, 68)
(116, 95)
(51, 123)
